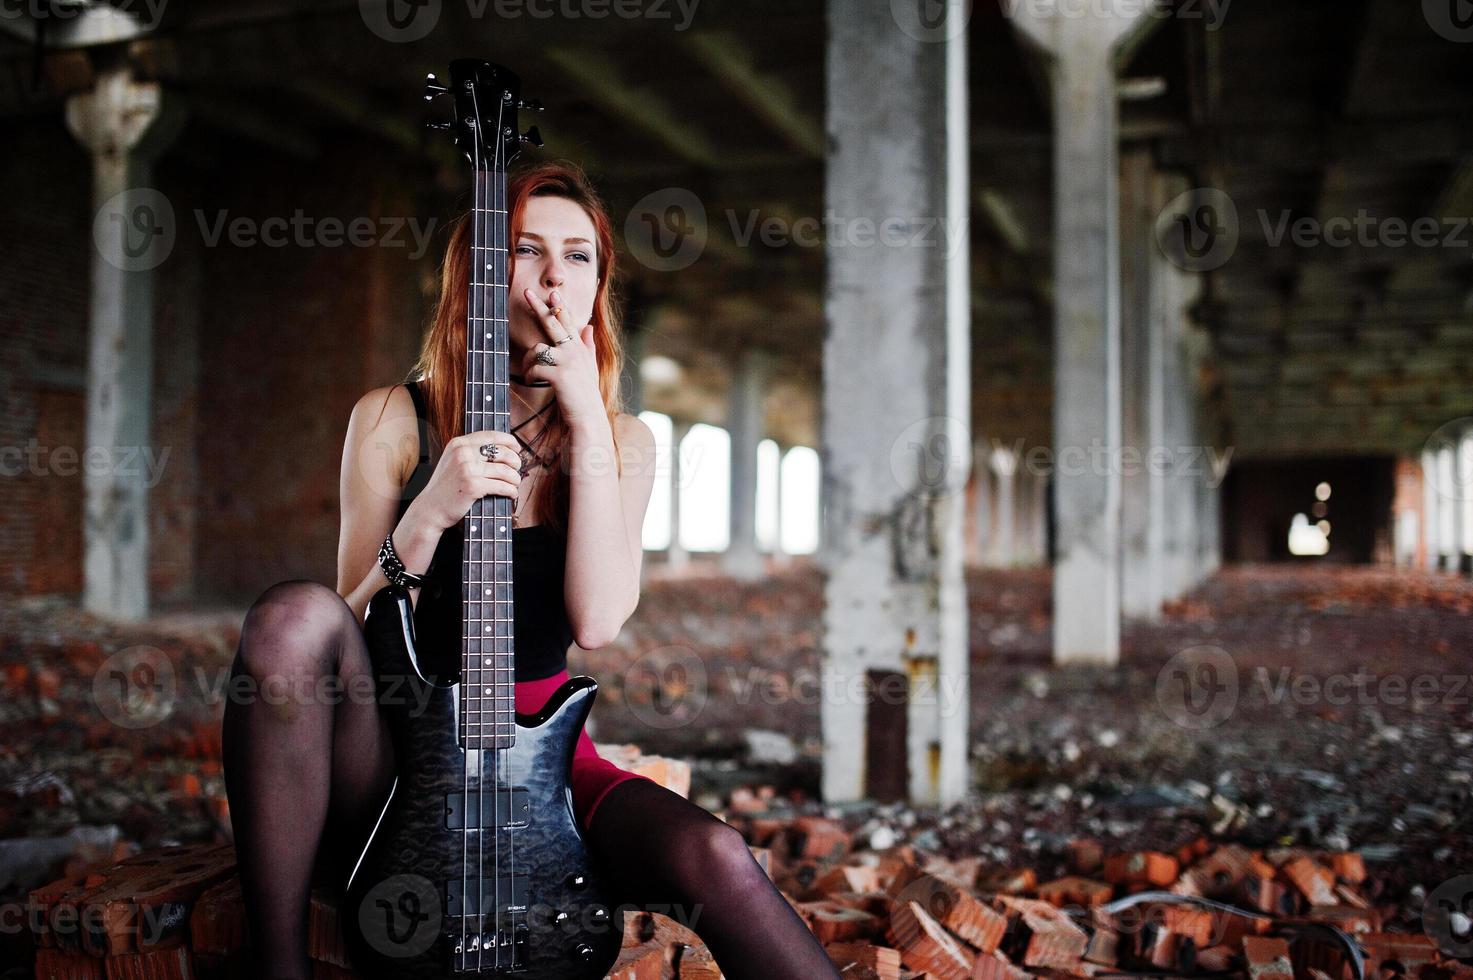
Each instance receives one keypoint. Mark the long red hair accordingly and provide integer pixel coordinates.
(441, 363)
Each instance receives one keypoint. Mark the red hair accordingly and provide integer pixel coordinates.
(441, 363)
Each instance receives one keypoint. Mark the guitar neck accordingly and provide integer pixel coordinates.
(489, 656)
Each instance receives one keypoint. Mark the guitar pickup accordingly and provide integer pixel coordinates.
(509, 809)
(511, 891)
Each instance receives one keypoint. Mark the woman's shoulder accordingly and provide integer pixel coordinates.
(384, 405)
(629, 426)
(386, 416)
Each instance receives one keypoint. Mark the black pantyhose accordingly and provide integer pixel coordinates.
(298, 761)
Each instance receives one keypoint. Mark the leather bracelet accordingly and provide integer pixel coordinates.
(393, 566)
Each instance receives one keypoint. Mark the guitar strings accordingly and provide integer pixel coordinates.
(470, 426)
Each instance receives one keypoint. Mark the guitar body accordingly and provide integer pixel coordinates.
(403, 913)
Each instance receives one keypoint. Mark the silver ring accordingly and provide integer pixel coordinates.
(563, 341)
(489, 450)
(544, 356)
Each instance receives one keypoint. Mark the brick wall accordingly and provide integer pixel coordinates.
(259, 354)
(45, 235)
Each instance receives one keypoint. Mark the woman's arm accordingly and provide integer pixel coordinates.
(605, 524)
(379, 453)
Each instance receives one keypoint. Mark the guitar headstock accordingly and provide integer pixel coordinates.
(487, 98)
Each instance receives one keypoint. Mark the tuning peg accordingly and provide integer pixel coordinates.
(532, 136)
(438, 124)
(433, 87)
(535, 105)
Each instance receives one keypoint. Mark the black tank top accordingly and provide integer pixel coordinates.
(541, 627)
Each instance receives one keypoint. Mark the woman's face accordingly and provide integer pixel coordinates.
(555, 251)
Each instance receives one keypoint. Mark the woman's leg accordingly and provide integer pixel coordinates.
(301, 750)
(657, 847)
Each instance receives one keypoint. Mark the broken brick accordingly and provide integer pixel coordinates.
(925, 945)
(1267, 958)
(1141, 868)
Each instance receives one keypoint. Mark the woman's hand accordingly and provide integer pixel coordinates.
(463, 476)
(574, 377)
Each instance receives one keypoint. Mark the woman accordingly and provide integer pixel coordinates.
(316, 770)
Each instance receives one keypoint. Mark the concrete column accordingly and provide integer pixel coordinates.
(743, 559)
(1033, 497)
(1082, 49)
(1004, 463)
(896, 446)
(1432, 503)
(1462, 488)
(1451, 533)
(1196, 476)
(780, 557)
(676, 557)
(124, 124)
(1143, 325)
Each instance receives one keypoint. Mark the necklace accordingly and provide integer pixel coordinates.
(529, 454)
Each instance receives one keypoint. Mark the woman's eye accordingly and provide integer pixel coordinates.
(528, 248)
(581, 255)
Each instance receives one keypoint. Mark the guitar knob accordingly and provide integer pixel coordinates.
(600, 915)
(532, 136)
(583, 952)
(576, 880)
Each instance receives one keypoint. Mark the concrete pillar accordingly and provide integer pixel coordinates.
(124, 125)
(1462, 494)
(1004, 464)
(1143, 325)
(1187, 487)
(1432, 503)
(780, 557)
(896, 446)
(1195, 462)
(676, 557)
(1082, 51)
(1452, 514)
(1034, 550)
(745, 418)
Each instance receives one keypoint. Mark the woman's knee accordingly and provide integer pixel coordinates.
(293, 628)
(719, 848)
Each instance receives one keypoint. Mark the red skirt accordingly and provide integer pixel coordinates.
(593, 776)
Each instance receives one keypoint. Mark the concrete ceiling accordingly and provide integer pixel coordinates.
(1317, 108)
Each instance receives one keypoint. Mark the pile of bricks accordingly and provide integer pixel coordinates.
(903, 914)
(175, 913)
(894, 915)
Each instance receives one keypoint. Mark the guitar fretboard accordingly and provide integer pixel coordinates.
(488, 678)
